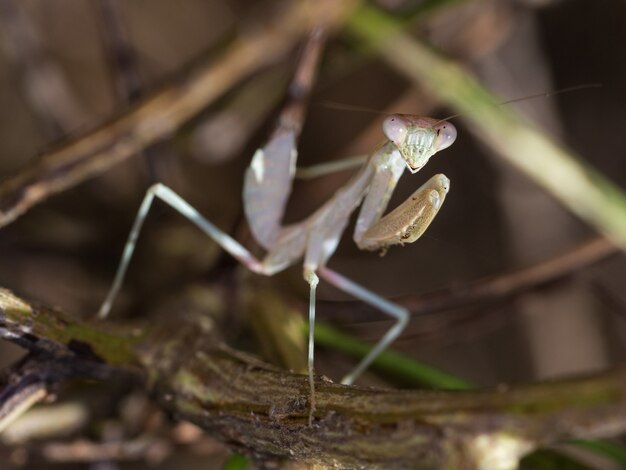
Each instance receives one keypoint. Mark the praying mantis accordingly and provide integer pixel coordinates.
(411, 142)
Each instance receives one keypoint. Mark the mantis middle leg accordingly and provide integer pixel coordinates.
(401, 315)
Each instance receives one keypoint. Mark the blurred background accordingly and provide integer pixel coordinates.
(68, 66)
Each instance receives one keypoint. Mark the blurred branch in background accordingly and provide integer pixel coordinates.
(120, 54)
(161, 115)
(225, 133)
(500, 287)
(125, 74)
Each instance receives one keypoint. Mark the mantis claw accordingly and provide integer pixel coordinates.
(407, 222)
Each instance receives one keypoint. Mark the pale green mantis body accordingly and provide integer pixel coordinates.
(268, 181)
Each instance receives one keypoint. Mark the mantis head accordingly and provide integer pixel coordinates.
(418, 138)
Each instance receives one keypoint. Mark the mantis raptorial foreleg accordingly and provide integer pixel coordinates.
(411, 142)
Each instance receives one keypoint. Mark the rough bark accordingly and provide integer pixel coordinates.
(263, 410)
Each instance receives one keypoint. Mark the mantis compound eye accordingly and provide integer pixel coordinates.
(395, 129)
(446, 135)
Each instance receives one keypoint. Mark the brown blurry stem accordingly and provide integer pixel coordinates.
(150, 449)
(119, 51)
(501, 286)
(158, 117)
(259, 409)
(512, 283)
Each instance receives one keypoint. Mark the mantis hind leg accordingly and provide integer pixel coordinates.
(396, 311)
(187, 210)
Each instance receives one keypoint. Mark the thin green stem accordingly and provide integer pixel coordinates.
(608, 449)
(390, 362)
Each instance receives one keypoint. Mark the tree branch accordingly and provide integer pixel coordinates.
(263, 410)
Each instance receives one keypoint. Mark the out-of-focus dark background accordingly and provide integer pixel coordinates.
(61, 73)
